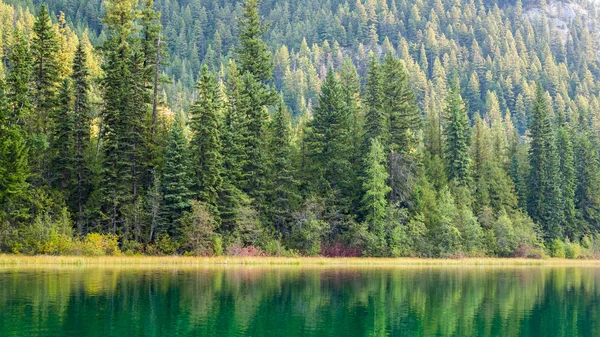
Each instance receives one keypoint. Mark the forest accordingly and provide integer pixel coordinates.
(385, 128)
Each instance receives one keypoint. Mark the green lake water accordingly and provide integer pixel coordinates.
(298, 301)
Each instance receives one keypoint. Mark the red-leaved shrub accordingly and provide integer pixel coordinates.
(249, 251)
(339, 250)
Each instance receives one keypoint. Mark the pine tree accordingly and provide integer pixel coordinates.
(206, 143)
(376, 190)
(544, 201)
(458, 138)
(175, 180)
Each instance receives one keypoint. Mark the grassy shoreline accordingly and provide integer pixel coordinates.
(179, 261)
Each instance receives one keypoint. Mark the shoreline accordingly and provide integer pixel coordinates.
(11, 261)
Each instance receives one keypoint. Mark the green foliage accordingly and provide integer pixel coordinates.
(458, 138)
(557, 249)
(198, 231)
(544, 183)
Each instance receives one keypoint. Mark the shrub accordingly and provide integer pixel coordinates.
(236, 249)
(165, 245)
(557, 249)
(95, 244)
(198, 229)
(572, 250)
(339, 250)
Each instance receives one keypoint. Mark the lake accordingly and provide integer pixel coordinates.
(300, 301)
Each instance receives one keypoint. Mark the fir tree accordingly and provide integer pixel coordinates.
(283, 197)
(376, 122)
(399, 105)
(458, 138)
(81, 133)
(44, 50)
(376, 190)
(18, 81)
(544, 202)
(326, 140)
(176, 181)
(253, 53)
(206, 142)
(62, 141)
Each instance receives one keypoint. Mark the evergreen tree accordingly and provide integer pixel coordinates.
(176, 180)
(19, 81)
(399, 105)
(458, 138)
(376, 121)
(544, 202)
(44, 50)
(326, 140)
(232, 139)
(587, 193)
(62, 141)
(564, 147)
(376, 190)
(253, 53)
(283, 196)
(81, 133)
(206, 142)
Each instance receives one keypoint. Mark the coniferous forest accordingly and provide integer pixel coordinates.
(428, 128)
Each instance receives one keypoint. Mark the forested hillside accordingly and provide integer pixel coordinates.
(374, 127)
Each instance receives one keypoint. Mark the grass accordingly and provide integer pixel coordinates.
(8, 261)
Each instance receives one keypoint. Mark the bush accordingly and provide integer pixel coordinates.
(557, 249)
(95, 244)
(165, 245)
(198, 229)
(236, 249)
(308, 230)
(572, 250)
(339, 250)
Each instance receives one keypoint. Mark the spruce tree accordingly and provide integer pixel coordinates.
(376, 121)
(458, 138)
(326, 140)
(568, 181)
(253, 53)
(206, 142)
(283, 197)
(81, 133)
(376, 190)
(45, 47)
(175, 180)
(587, 193)
(544, 201)
(232, 139)
(62, 141)
(119, 116)
(399, 105)
(18, 82)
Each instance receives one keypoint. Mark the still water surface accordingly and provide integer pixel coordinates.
(296, 301)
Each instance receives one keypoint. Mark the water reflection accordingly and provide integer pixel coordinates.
(293, 301)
